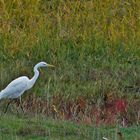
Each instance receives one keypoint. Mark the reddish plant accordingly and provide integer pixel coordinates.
(120, 105)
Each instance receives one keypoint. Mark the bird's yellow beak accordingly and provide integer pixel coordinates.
(48, 65)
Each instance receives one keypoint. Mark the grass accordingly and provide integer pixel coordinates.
(40, 127)
(87, 47)
(94, 46)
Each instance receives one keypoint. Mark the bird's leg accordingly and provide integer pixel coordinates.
(8, 105)
(20, 103)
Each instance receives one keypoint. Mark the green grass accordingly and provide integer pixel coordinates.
(89, 42)
(94, 46)
(40, 128)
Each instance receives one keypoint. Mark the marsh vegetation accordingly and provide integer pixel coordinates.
(95, 47)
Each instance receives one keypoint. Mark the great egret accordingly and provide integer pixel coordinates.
(18, 86)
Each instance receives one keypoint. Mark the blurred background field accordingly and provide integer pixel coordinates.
(95, 46)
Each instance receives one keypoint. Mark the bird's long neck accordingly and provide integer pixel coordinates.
(34, 78)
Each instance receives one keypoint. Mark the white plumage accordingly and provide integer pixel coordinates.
(18, 86)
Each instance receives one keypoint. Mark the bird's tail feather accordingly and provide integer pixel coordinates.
(1, 94)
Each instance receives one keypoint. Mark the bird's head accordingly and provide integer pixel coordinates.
(43, 64)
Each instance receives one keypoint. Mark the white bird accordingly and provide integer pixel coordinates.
(18, 86)
(105, 138)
